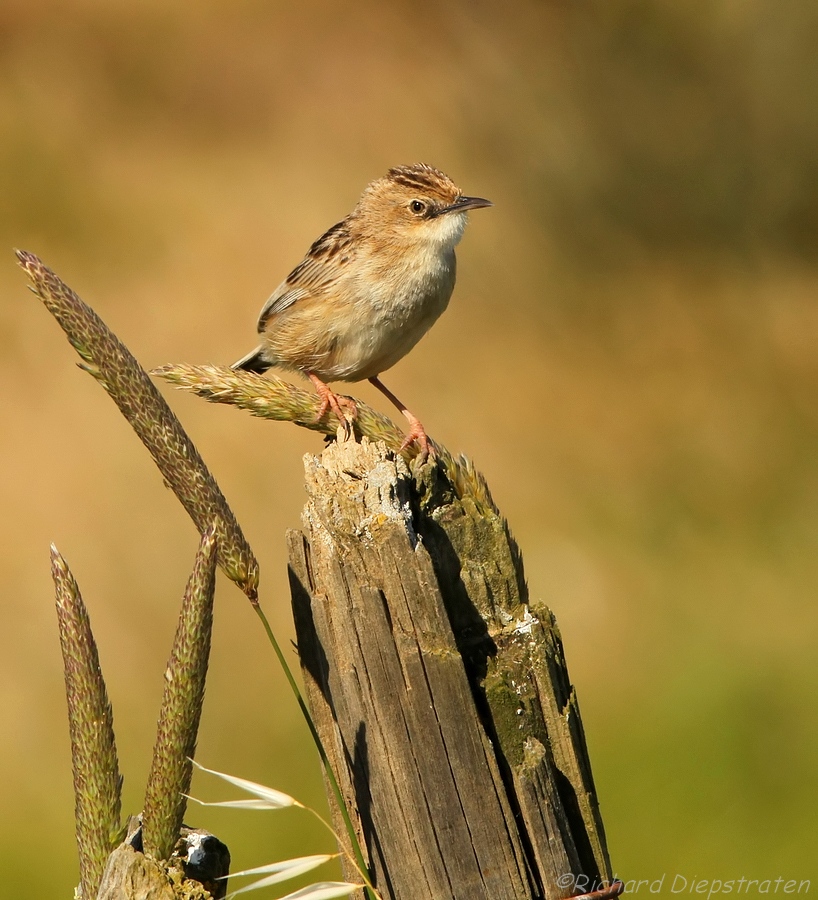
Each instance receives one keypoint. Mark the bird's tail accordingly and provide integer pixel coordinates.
(253, 362)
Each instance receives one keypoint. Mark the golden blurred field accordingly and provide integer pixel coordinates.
(630, 357)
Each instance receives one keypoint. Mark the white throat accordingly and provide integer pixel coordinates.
(447, 230)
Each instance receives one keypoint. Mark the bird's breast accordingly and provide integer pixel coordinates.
(393, 308)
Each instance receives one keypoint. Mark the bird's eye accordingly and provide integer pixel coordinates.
(417, 206)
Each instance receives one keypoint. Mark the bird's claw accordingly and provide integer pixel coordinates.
(337, 403)
(417, 435)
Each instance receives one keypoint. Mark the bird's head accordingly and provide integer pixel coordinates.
(416, 204)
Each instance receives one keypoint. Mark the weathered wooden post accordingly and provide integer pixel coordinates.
(440, 692)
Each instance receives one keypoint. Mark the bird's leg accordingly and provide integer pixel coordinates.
(417, 433)
(331, 400)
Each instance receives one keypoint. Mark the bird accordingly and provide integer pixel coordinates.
(368, 290)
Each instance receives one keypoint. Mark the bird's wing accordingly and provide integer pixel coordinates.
(322, 267)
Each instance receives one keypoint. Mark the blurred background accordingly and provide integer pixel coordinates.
(629, 356)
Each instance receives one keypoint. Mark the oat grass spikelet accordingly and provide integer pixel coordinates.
(130, 387)
(169, 779)
(97, 782)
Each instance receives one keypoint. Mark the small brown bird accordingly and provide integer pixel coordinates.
(368, 289)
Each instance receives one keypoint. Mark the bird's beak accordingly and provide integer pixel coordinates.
(465, 203)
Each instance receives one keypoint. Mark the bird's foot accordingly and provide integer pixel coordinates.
(417, 435)
(336, 402)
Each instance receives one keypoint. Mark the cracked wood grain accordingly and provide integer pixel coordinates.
(441, 696)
